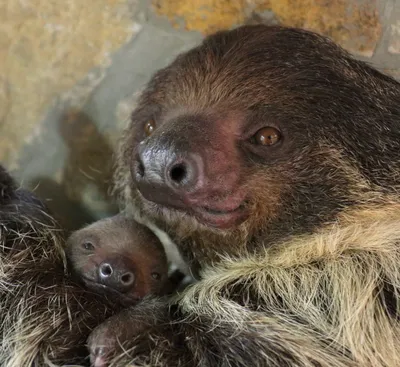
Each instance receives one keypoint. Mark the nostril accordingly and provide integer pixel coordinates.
(127, 279)
(140, 168)
(106, 270)
(178, 173)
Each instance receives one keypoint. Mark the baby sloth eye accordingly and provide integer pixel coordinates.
(156, 276)
(267, 136)
(149, 127)
(88, 246)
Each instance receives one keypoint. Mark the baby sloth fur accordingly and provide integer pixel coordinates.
(45, 316)
(48, 312)
(271, 158)
(120, 257)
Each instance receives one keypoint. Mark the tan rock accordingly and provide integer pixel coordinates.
(46, 47)
(394, 41)
(355, 25)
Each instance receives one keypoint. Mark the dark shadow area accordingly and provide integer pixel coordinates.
(86, 175)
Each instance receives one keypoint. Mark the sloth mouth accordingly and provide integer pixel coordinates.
(221, 219)
(124, 298)
(222, 215)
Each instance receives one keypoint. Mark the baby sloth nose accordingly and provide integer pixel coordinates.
(117, 273)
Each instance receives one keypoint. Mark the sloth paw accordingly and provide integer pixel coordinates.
(102, 345)
(113, 339)
(98, 357)
(109, 340)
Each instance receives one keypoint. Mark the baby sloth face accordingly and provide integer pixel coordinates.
(119, 257)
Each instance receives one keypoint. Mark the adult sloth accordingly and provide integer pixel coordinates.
(272, 159)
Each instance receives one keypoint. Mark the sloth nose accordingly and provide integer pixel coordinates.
(117, 274)
(164, 169)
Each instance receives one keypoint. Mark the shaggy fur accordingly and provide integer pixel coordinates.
(310, 277)
(45, 317)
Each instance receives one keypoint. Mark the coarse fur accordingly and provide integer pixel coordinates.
(309, 275)
(45, 317)
(324, 299)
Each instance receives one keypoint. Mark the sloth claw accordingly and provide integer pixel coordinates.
(114, 337)
(101, 346)
(97, 357)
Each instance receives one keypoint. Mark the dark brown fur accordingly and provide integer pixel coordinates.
(45, 317)
(246, 79)
(291, 278)
(307, 275)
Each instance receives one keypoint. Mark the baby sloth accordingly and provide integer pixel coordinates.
(119, 257)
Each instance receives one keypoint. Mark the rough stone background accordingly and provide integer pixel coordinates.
(70, 72)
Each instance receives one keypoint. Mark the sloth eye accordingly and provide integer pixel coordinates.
(267, 136)
(88, 246)
(149, 127)
(156, 276)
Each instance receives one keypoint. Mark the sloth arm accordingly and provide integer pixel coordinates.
(326, 300)
(217, 325)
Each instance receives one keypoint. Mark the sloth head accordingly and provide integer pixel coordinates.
(257, 134)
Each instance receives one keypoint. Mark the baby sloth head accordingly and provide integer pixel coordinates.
(119, 256)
